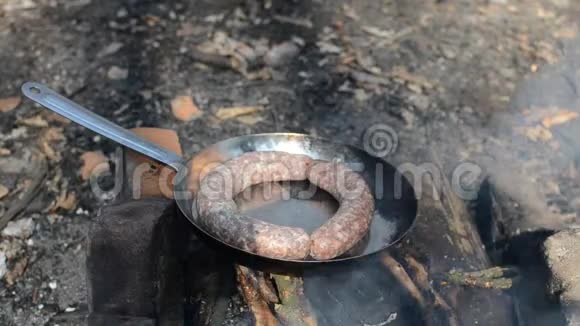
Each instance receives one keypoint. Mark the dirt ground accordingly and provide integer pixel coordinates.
(442, 74)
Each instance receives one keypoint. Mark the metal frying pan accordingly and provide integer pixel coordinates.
(395, 202)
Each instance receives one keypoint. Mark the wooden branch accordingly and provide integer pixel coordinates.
(491, 278)
(255, 301)
(294, 309)
(40, 170)
(421, 278)
(258, 280)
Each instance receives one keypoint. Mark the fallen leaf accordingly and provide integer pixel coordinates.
(250, 119)
(5, 151)
(558, 119)
(538, 133)
(90, 161)
(165, 138)
(350, 12)
(17, 271)
(375, 31)
(154, 179)
(3, 191)
(327, 47)
(567, 32)
(48, 151)
(52, 134)
(402, 74)
(66, 200)
(302, 22)
(184, 109)
(53, 117)
(9, 103)
(36, 121)
(234, 112)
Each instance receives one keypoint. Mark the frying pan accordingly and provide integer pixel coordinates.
(395, 202)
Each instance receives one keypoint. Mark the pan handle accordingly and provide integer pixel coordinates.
(50, 99)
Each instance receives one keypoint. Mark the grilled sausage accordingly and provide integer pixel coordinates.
(352, 220)
(220, 215)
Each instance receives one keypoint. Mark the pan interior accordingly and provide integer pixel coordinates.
(395, 202)
(295, 203)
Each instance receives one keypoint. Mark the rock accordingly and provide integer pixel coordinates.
(3, 267)
(328, 48)
(3, 191)
(110, 49)
(9, 103)
(21, 228)
(184, 109)
(91, 161)
(419, 101)
(281, 54)
(562, 252)
(122, 13)
(117, 73)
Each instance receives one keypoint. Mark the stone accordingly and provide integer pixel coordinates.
(117, 73)
(110, 49)
(562, 253)
(21, 228)
(3, 266)
(281, 54)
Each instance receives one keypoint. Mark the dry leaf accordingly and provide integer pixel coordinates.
(234, 112)
(567, 32)
(184, 109)
(375, 31)
(90, 161)
(9, 103)
(66, 201)
(48, 151)
(53, 117)
(403, 74)
(52, 134)
(17, 271)
(250, 119)
(350, 12)
(5, 151)
(36, 121)
(538, 133)
(558, 119)
(3, 191)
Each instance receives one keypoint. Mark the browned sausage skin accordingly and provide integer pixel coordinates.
(220, 216)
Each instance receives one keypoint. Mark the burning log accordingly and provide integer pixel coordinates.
(418, 287)
(254, 299)
(294, 308)
(446, 238)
